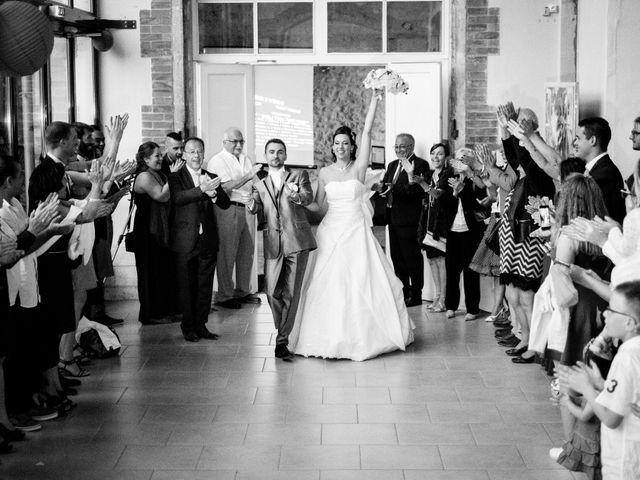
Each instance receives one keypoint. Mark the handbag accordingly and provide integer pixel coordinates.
(429, 241)
(492, 238)
(563, 290)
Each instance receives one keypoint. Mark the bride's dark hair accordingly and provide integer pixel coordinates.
(344, 130)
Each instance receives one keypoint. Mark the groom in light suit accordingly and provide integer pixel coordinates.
(281, 196)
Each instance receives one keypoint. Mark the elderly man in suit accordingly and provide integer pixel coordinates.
(194, 238)
(281, 196)
(591, 142)
(404, 205)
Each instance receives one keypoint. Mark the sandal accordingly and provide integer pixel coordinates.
(65, 367)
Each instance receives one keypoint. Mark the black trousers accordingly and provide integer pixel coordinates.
(194, 275)
(461, 247)
(406, 256)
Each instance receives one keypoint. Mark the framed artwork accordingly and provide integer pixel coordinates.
(377, 157)
(560, 115)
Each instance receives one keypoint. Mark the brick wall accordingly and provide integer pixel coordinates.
(156, 44)
(482, 40)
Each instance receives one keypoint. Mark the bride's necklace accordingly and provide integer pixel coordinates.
(346, 167)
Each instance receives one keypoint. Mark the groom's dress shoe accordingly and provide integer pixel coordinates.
(191, 336)
(413, 301)
(202, 332)
(283, 353)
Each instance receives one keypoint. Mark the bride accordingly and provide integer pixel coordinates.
(351, 305)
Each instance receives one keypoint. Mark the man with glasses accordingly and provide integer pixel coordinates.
(404, 204)
(236, 226)
(194, 238)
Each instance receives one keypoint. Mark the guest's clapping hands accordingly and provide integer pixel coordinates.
(8, 252)
(485, 155)
(457, 184)
(215, 183)
(104, 209)
(95, 174)
(123, 169)
(45, 213)
(116, 127)
(57, 228)
(594, 231)
(206, 184)
(407, 166)
(177, 165)
(510, 111)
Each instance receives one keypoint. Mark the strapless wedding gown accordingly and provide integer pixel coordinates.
(352, 304)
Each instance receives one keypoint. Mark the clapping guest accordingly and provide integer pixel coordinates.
(434, 220)
(466, 228)
(150, 227)
(194, 238)
(521, 256)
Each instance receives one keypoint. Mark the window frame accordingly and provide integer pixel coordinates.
(320, 54)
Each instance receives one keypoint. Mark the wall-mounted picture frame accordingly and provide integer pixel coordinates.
(377, 157)
(560, 115)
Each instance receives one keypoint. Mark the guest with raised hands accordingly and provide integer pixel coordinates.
(151, 230)
(433, 224)
(24, 368)
(486, 260)
(526, 131)
(9, 255)
(521, 256)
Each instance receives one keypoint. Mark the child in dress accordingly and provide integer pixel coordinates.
(615, 402)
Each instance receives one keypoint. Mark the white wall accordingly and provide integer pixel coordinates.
(622, 93)
(592, 56)
(125, 77)
(529, 54)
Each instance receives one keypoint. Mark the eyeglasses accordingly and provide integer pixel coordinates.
(610, 310)
(635, 133)
(194, 152)
(401, 147)
(237, 142)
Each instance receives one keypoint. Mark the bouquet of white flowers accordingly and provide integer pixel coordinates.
(385, 79)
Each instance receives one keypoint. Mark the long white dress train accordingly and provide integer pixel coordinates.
(352, 304)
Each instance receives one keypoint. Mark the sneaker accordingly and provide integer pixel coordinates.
(470, 317)
(24, 422)
(42, 414)
(554, 453)
(450, 314)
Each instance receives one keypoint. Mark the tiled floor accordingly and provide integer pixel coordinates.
(452, 407)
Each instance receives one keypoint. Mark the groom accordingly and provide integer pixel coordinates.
(281, 196)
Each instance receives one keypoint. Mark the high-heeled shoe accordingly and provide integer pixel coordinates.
(9, 435)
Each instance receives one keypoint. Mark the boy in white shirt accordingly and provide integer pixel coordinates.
(617, 404)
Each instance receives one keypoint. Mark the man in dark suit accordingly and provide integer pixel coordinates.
(404, 204)
(194, 238)
(590, 144)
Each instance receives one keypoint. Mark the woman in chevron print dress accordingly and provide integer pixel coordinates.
(521, 257)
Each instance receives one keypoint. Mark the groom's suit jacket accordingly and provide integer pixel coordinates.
(286, 228)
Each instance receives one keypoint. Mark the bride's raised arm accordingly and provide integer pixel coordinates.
(362, 162)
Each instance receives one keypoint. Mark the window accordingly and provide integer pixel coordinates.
(413, 26)
(285, 27)
(354, 26)
(320, 27)
(226, 27)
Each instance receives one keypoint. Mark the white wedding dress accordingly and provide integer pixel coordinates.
(351, 304)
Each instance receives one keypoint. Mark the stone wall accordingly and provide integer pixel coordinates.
(340, 99)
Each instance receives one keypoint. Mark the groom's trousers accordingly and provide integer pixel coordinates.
(283, 281)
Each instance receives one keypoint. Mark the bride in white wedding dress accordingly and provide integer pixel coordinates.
(352, 304)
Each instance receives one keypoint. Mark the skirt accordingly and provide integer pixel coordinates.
(485, 261)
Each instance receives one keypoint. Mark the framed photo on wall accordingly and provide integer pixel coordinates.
(560, 115)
